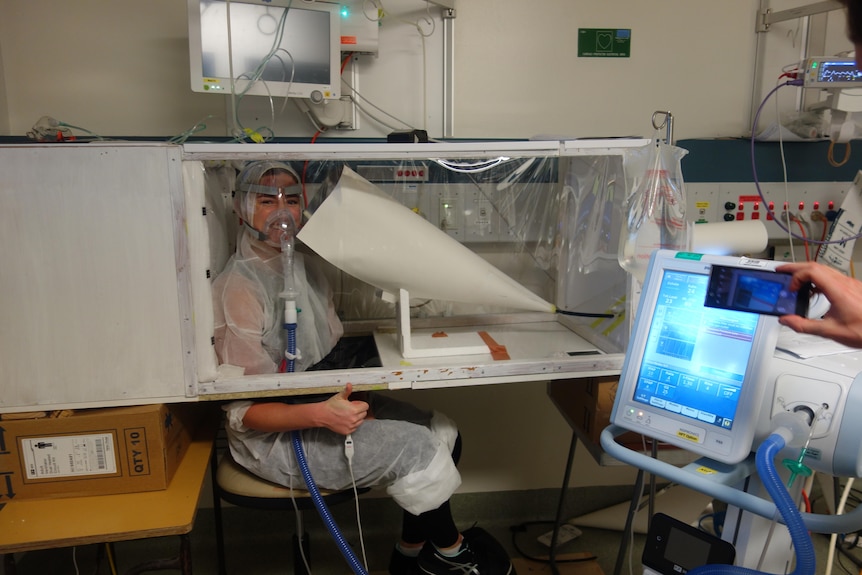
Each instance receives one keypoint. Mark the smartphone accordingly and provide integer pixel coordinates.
(755, 290)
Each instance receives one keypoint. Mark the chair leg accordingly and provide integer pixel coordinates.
(9, 564)
(301, 547)
(217, 515)
(186, 554)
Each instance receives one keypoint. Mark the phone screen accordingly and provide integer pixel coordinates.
(755, 290)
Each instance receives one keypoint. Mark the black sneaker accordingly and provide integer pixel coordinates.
(492, 557)
(480, 554)
(433, 562)
(401, 564)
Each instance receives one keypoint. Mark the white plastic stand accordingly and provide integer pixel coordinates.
(429, 345)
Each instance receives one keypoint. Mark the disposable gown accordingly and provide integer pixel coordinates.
(402, 448)
(249, 314)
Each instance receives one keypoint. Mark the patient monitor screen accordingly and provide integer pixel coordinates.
(695, 357)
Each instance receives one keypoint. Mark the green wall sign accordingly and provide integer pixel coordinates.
(604, 42)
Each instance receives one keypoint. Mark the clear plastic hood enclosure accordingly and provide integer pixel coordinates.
(111, 250)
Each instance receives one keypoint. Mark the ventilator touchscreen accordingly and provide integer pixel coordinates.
(690, 375)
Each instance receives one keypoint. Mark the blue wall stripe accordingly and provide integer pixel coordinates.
(730, 161)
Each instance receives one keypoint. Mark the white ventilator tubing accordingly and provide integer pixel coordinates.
(362, 231)
(280, 225)
(290, 293)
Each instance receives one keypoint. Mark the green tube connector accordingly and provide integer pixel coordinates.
(796, 467)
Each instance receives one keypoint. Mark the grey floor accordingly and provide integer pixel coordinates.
(259, 542)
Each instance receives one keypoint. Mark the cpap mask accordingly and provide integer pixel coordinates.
(278, 230)
(281, 222)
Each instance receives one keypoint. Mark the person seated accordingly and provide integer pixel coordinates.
(410, 452)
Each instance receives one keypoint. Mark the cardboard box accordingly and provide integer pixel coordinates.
(94, 451)
(587, 404)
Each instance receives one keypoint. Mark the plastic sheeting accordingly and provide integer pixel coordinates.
(366, 233)
(551, 224)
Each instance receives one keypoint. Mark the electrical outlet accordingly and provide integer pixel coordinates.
(813, 204)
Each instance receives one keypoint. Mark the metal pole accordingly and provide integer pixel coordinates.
(666, 122)
(552, 554)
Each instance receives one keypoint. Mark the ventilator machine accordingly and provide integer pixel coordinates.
(729, 387)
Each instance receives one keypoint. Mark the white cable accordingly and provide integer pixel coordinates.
(637, 508)
(470, 167)
(423, 35)
(834, 537)
(299, 526)
(308, 115)
(75, 560)
(255, 77)
(768, 540)
(233, 102)
(785, 212)
(377, 6)
(348, 453)
(346, 83)
(425, 63)
(375, 118)
(424, 83)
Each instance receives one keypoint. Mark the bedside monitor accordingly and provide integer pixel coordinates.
(831, 72)
(279, 48)
(694, 376)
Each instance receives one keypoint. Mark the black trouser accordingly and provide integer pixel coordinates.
(436, 525)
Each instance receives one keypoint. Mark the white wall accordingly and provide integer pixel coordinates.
(4, 107)
(527, 79)
(112, 67)
(120, 68)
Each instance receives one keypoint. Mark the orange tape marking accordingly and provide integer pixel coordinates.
(498, 352)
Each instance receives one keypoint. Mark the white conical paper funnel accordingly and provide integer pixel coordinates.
(364, 232)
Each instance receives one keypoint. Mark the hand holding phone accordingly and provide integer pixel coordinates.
(755, 290)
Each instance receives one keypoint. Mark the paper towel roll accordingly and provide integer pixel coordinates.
(729, 238)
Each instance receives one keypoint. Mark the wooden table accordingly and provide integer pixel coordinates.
(33, 524)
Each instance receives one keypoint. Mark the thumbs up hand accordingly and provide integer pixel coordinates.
(342, 415)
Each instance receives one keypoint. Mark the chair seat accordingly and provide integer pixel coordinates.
(242, 487)
(234, 478)
(237, 485)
